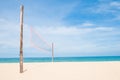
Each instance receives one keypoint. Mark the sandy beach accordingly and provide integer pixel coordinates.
(61, 71)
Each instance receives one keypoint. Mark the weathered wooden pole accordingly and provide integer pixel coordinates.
(21, 38)
(52, 52)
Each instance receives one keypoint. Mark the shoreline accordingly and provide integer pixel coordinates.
(62, 59)
(60, 62)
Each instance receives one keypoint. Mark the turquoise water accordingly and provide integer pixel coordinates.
(62, 59)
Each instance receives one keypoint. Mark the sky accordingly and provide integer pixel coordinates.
(76, 27)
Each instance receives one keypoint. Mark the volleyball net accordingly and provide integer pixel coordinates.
(38, 42)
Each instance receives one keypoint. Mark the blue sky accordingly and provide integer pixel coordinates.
(77, 27)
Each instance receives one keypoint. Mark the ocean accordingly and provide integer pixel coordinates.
(62, 59)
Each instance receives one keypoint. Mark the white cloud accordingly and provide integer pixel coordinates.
(72, 30)
(2, 20)
(87, 24)
(115, 4)
(85, 40)
(68, 40)
(106, 7)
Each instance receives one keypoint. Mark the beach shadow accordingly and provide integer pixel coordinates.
(25, 70)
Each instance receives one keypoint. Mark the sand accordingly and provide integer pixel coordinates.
(61, 71)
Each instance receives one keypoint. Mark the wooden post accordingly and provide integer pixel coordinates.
(52, 52)
(21, 38)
